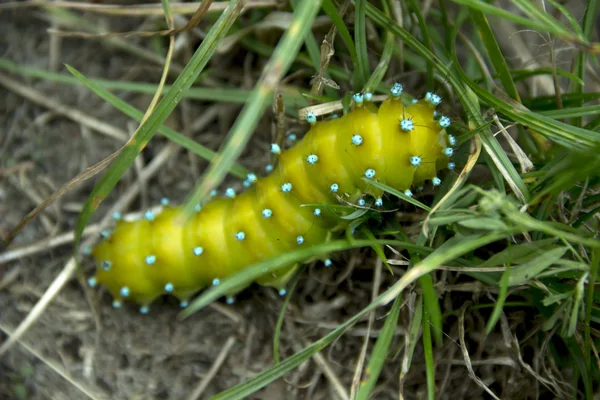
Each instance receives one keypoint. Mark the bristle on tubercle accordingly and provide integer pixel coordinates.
(401, 145)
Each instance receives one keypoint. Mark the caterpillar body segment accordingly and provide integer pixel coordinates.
(396, 144)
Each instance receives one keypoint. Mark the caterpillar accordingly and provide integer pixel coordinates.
(397, 144)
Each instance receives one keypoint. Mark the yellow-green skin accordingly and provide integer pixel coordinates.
(176, 269)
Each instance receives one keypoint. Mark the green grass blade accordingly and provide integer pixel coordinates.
(332, 12)
(573, 112)
(380, 352)
(249, 274)
(428, 355)
(398, 194)
(589, 20)
(499, 306)
(494, 53)
(293, 98)
(146, 131)
(589, 304)
(176, 137)
(244, 126)
(284, 307)
(426, 40)
(310, 42)
(360, 40)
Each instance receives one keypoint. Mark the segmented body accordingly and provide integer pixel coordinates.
(396, 144)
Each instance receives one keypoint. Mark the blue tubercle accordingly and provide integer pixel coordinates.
(312, 159)
(275, 149)
(197, 207)
(311, 118)
(144, 310)
(448, 151)
(282, 292)
(230, 192)
(436, 181)
(213, 193)
(334, 188)
(240, 235)
(106, 265)
(433, 98)
(164, 201)
(379, 202)
(267, 213)
(286, 187)
(116, 215)
(408, 193)
(230, 300)
(149, 215)
(92, 282)
(106, 233)
(357, 139)
(150, 259)
(184, 303)
(415, 161)
(116, 304)
(124, 291)
(216, 281)
(252, 177)
(361, 202)
(451, 166)
(407, 125)
(370, 173)
(87, 250)
(198, 251)
(292, 137)
(169, 287)
(452, 140)
(444, 122)
(396, 90)
(358, 99)
(300, 239)
(368, 96)
(327, 263)
(269, 168)
(317, 212)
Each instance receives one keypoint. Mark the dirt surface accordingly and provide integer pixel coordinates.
(120, 354)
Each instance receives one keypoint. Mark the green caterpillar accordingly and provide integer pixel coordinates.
(396, 144)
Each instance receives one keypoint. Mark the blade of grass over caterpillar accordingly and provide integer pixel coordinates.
(252, 272)
(176, 137)
(168, 103)
(244, 126)
(453, 248)
(398, 193)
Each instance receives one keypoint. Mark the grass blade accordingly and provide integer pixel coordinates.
(244, 126)
(380, 351)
